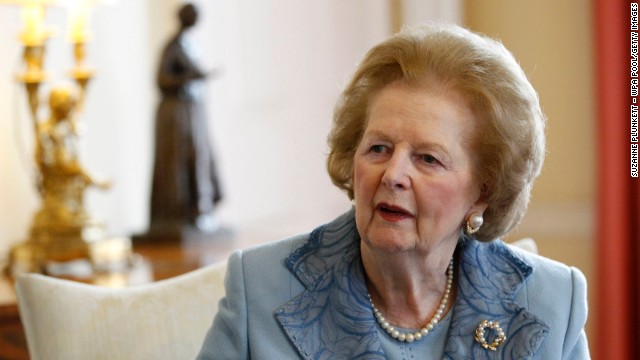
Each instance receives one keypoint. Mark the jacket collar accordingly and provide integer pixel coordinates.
(333, 318)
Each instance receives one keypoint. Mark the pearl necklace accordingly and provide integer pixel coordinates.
(411, 337)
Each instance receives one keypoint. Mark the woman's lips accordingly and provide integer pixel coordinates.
(392, 213)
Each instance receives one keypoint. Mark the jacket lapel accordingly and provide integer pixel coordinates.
(332, 317)
(489, 277)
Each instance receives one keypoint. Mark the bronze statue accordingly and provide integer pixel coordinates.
(185, 185)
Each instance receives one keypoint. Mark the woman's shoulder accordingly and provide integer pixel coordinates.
(309, 254)
(557, 294)
(259, 276)
(554, 290)
(548, 269)
(498, 255)
(270, 253)
(534, 281)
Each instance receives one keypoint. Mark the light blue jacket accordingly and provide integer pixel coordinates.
(306, 297)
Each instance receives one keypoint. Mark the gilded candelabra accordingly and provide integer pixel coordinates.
(61, 230)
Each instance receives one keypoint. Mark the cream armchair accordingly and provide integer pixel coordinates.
(167, 319)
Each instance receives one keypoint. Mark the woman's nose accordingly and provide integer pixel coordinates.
(397, 172)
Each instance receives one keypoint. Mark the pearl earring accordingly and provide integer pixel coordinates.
(474, 222)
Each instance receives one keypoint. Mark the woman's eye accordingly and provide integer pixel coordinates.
(429, 159)
(378, 149)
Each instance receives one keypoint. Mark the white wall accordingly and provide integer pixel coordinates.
(281, 63)
(282, 66)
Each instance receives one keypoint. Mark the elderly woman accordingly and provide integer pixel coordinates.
(437, 139)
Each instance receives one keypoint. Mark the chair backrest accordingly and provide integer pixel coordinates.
(167, 319)
(527, 244)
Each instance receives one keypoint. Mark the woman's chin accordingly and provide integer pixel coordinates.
(390, 244)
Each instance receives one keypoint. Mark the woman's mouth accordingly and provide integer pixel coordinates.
(392, 213)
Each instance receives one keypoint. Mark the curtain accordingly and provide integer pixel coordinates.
(617, 329)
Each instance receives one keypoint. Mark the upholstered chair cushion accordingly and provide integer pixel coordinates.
(167, 319)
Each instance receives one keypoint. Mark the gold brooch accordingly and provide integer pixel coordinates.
(480, 336)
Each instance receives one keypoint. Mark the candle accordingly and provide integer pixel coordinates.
(33, 19)
(79, 20)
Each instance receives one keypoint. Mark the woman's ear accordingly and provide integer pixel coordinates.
(479, 207)
(484, 190)
(481, 201)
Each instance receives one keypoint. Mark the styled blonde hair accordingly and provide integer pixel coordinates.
(508, 146)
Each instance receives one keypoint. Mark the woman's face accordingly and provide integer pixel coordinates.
(413, 184)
